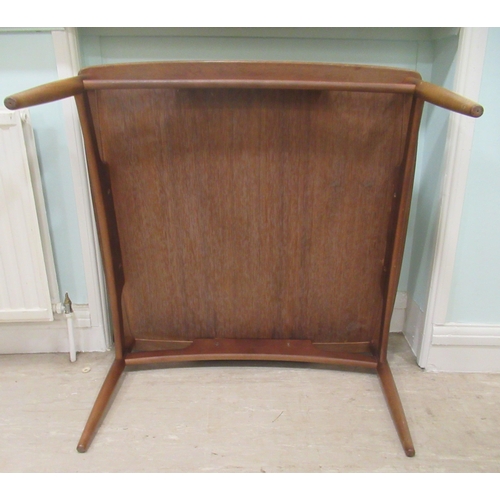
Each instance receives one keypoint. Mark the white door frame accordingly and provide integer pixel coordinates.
(470, 58)
(68, 64)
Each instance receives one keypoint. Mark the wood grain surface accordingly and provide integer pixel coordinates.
(252, 213)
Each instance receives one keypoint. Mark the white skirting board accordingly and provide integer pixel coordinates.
(399, 313)
(458, 348)
(413, 325)
(464, 359)
(455, 347)
(20, 338)
(465, 349)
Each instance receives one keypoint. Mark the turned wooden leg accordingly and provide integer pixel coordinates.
(395, 407)
(100, 404)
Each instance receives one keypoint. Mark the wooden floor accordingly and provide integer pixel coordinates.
(246, 417)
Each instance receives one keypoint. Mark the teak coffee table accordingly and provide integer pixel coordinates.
(250, 210)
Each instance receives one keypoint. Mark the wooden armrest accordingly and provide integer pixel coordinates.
(45, 93)
(71, 86)
(446, 99)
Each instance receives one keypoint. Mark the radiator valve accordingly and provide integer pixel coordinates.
(67, 304)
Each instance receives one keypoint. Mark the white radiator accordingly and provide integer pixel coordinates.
(28, 283)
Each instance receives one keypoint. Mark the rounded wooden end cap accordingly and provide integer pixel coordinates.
(81, 448)
(10, 103)
(477, 111)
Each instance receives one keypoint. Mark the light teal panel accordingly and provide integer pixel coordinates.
(428, 180)
(27, 60)
(425, 58)
(123, 49)
(386, 46)
(475, 293)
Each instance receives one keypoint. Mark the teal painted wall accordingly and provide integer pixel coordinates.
(27, 60)
(108, 46)
(475, 294)
(429, 175)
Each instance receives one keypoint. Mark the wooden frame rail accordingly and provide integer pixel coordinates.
(69, 87)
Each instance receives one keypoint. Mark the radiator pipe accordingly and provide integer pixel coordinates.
(68, 312)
